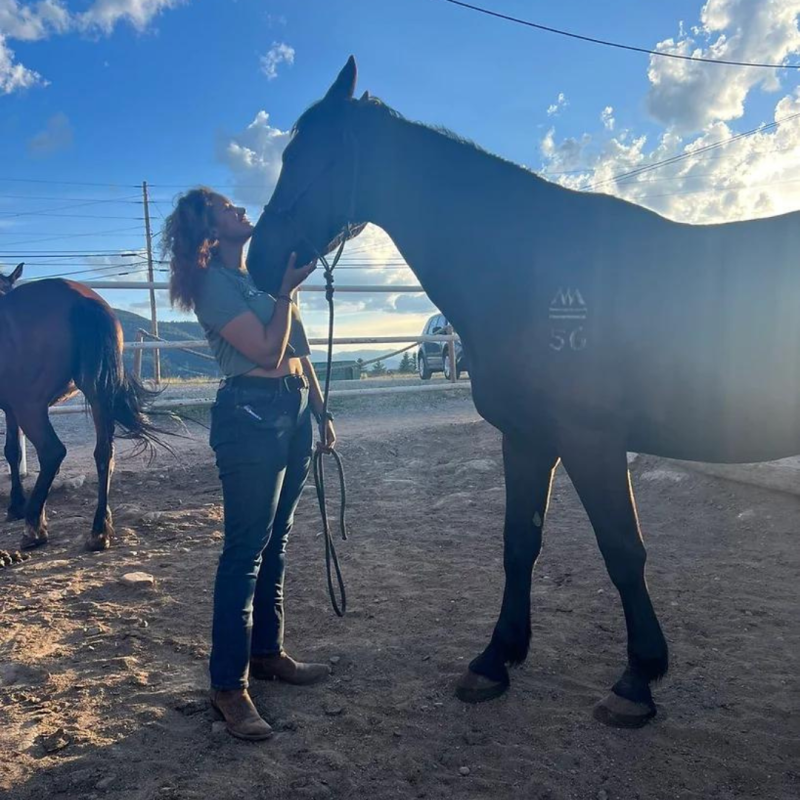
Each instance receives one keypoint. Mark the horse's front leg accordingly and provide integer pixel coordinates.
(598, 467)
(35, 423)
(13, 454)
(529, 475)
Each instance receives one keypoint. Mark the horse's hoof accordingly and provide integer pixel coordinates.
(15, 514)
(98, 542)
(33, 538)
(474, 688)
(619, 712)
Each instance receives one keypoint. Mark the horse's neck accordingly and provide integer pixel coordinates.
(428, 192)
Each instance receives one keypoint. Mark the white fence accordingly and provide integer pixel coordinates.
(201, 402)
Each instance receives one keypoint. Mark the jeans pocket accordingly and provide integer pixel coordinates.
(276, 411)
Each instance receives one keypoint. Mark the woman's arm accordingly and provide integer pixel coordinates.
(265, 345)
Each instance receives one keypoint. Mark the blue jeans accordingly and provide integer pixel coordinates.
(262, 439)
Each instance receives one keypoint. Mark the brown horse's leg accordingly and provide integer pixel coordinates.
(599, 471)
(13, 453)
(35, 423)
(102, 527)
(529, 475)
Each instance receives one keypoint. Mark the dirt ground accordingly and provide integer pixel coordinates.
(102, 685)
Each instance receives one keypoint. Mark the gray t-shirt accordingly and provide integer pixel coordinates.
(225, 294)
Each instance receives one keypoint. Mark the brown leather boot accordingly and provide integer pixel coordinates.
(240, 715)
(282, 667)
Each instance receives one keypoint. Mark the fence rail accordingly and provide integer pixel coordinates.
(347, 288)
(138, 346)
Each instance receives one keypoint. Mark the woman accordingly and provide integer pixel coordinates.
(261, 435)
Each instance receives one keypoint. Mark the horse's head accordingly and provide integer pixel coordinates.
(7, 282)
(314, 198)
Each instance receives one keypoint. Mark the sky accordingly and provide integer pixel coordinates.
(97, 96)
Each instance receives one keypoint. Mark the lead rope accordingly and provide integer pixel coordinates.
(318, 462)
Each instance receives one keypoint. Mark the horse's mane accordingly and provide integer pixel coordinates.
(374, 105)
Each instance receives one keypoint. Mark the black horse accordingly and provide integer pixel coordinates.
(56, 337)
(630, 333)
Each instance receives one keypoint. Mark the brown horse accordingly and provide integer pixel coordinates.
(56, 337)
(592, 327)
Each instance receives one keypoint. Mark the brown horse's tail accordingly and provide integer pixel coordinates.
(101, 376)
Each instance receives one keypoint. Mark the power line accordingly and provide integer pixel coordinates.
(81, 264)
(619, 46)
(68, 199)
(66, 235)
(12, 214)
(71, 183)
(41, 233)
(691, 154)
(33, 254)
(105, 272)
(68, 216)
(122, 264)
(720, 189)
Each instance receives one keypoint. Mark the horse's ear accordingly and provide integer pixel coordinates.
(364, 98)
(345, 84)
(16, 274)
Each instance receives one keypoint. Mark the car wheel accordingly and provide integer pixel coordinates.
(422, 368)
(448, 370)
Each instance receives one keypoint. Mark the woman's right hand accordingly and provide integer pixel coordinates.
(294, 276)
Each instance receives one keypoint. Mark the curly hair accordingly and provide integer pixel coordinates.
(188, 242)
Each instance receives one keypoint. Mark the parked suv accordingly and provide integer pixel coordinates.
(435, 356)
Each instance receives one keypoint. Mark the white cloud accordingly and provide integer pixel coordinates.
(754, 176)
(105, 14)
(33, 22)
(37, 21)
(254, 159)
(691, 95)
(279, 53)
(560, 104)
(607, 118)
(276, 20)
(56, 136)
(14, 76)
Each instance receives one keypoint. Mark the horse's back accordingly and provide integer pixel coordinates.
(52, 295)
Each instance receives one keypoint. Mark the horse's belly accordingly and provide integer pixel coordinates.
(720, 429)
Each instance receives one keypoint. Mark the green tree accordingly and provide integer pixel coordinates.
(405, 363)
(378, 368)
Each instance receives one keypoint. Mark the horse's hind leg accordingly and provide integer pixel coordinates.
(102, 527)
(13, 454)
(529, 475)
(599, 471)
(35, 423)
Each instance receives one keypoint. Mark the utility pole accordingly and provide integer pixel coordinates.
(153, 311)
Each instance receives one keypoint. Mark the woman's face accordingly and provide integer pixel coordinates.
(230, 222)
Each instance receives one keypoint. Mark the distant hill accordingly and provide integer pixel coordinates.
(180, 364)
(174, 363)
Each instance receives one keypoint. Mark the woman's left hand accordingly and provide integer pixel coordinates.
(328, 441)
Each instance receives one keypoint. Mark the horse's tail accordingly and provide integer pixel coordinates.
(101, 376)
